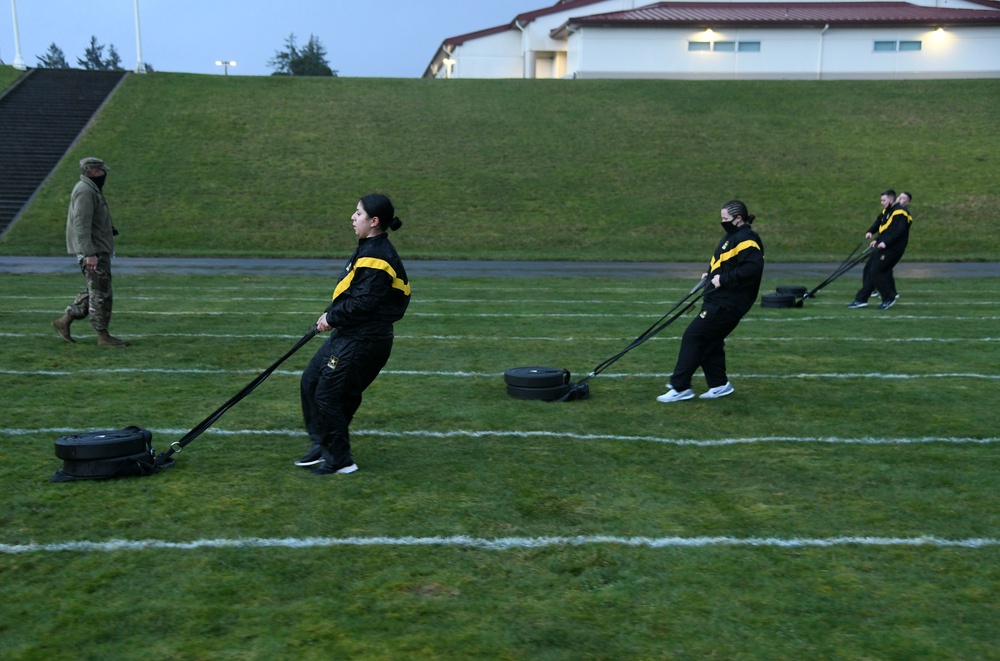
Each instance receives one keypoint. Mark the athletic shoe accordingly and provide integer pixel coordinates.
(857, 304)
(329, 469)
(674, 396)
(311, 458)
(719, 391)
(885, 305)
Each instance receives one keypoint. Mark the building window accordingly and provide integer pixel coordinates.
(725, 46)
(885, 46)
(909, 45)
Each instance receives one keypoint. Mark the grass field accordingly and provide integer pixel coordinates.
(842, 504)
(509, 169)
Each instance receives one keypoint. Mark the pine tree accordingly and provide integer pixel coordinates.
(54, 58)
(93, 58)
(310, 61)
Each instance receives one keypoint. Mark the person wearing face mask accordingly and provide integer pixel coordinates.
(91, 237)
(371, 294)
(733, 281)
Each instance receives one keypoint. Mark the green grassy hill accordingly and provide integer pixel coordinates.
(603, 170)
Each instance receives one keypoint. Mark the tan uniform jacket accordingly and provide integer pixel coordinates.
(88, 222)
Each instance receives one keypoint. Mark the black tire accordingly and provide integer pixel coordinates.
(794, 290)
(549, 394)
(777, 301)
(536, 377)
(107, 444)
(140, 463)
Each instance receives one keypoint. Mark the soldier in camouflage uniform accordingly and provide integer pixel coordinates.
(91, 237)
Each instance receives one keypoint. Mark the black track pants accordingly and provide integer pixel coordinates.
(867, 284)
(704, 345)
(331, 388)
(882, 277)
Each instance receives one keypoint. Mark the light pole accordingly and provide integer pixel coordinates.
(226, 64)
(18, 60)
(138, 42)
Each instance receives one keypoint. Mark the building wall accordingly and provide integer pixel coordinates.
(529, 51)
(784, 53)
(494, 56)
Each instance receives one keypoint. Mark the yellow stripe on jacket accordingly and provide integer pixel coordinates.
(729, 254)
(884, 226)
(371, 263)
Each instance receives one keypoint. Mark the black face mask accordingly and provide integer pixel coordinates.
(729, 227)
(99, 181)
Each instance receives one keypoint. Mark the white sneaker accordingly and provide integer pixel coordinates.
(674, 396)
(719, 391)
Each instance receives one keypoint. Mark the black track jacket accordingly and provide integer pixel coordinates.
(739, 259)
(894, 230)
(372, 292)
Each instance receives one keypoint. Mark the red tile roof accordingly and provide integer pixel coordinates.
(788, 14)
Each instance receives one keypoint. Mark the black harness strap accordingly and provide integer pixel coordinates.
(849, 263)
(670, 317)
(177, 446)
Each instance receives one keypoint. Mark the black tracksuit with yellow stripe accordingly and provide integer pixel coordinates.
(372, 293)
(893, 229)
(739, 262)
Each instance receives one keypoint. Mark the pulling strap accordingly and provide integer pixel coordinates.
(670, 317)
(177, 446)
(849, 263)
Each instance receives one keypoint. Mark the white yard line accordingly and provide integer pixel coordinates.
(499, 543)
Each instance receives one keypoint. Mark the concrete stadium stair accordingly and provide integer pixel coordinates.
(41, 116)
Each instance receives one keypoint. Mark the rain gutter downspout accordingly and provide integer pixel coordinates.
(819, 59)
(528, 68)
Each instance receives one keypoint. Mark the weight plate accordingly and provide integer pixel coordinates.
(545, 394)
(777, 301)
(536, 377)
(794, 290)
(101, 468)
(104, 444)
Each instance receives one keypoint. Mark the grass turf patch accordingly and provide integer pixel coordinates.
(570, 170)
(854, 424)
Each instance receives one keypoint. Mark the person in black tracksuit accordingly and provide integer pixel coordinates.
(734, 281)
(889, 233)
(887, 199)
(371, 294)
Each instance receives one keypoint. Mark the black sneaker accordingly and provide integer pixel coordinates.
(311, 458)
(857, 304)
(885, 305)
(329, 469)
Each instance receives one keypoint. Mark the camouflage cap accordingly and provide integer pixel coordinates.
(93, 163)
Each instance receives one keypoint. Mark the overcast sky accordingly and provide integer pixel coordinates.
(366, 38)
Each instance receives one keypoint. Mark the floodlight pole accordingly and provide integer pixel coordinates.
(138, 42)
(225, 64)
(18, 60)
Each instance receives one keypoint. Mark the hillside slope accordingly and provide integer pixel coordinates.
(595, 170)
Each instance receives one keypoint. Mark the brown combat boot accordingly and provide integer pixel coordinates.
(106, 339)
(62, 327)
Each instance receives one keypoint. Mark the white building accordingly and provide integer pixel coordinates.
(733, 40)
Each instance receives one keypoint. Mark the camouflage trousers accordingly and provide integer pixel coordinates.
(94, 301)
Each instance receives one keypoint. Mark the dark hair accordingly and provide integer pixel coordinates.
(908, 194)
(888, 191)
(380, 206)
(737, 209)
